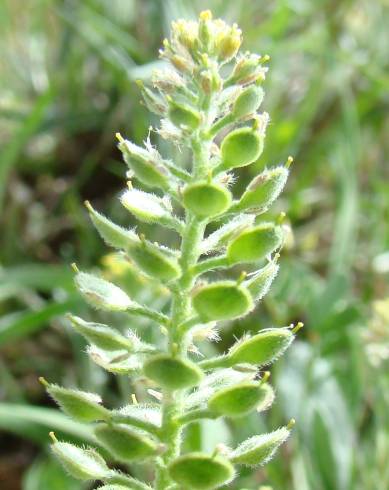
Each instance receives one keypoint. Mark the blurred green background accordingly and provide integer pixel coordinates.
(67, 72)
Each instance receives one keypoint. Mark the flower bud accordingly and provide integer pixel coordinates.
(155, 261)
(197, 471)
(228, 44)
(259, 284)
(248, 101)
(261, 349)
(183, 115)
(248, 69)
(206, 199)
(223, 300)
(83, 464)
(125, 444)
(240, 148)
(104, 337)
(147, 165)
(148, 207)
(263, 190)
(258, 450)
(101, 293)
(255, 243)
(79, 405)
(172, 373)
(113, 234)
(241, 399)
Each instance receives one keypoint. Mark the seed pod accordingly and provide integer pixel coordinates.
(80, 405)
(147, 207)
(147, 165)
(103, 337)
(206, 199)
(125, 444)
(248, 101)
(240, 148)
(261, 349)
(172, 373)
(263, 190)
(155, 260)
(258, 450)
(101, 293)
(248, 69)
(83, 464)
(255, 243)
(222, 235)
(259, 284)
(183, 115)
(114, 362)
(241, 399)
(112, 234)
(222, 301)
(197, 471)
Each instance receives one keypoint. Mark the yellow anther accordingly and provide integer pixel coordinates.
(134, 399)
(289, 161)
(291, 424)
(119, 137)
(75, 268)
(52, 436)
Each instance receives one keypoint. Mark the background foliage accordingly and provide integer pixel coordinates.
(67, 72)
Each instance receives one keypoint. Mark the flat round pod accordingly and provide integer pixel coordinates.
(197, 471)
(124, 443)
(240, 148)
(225, 300)
(255, 243)
(206, 199)
(248, 101)
(262, 348)
(172, 373)
(241, 399)
(183, 115)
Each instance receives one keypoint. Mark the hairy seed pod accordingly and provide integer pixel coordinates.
(248, 101)
(147, 165)
(125, 444)
(259, 284)
(82, 464)
(261, 349)
(198, 471)
(172, 373)
(240, 399)
(263, 190)
(147, 207)
(103, 337)
(258, 450)
(79, 405)
(155, 261)
(183, 115)
(206, 199)
(255, 243)
(223, 300)
(112, 234)
(101, 293)
(240, 148)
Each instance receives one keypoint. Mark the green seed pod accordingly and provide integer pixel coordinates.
(101, 293)
(206, 199)
(83, 464)
(147, 165)
(222, 235)
(104, 337)
(197, 471)
(172, 373)
(258, 450)
(222, 301)
(261, 349)
(263, 190)
(240, 148)
(248, 101)
(183, 115)
(259, 284)
(114, 362)
(148, 207)
(112, 234)
(79, 405)
(155, 260)
(240, 399)
(255, 243)
(125, 444)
